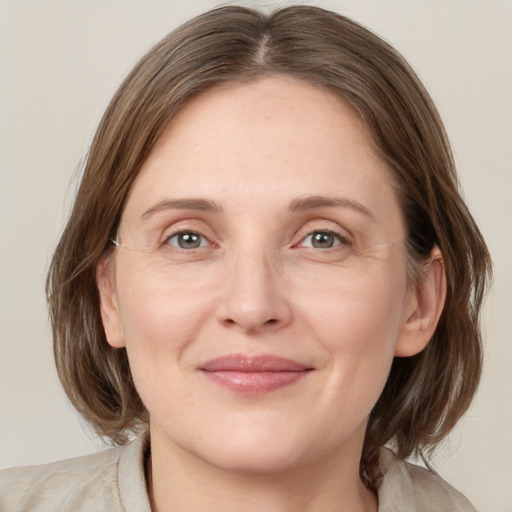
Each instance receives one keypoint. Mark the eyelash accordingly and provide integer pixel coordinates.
(167, 240)
(340, 240)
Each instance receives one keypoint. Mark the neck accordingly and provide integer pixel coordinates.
(181, 482)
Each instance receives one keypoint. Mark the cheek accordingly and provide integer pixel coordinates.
(358, 323)
(360, 312)
(159, 311)
(154, 320)
(160, 318)
(160, 324)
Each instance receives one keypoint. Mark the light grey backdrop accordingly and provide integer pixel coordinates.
(60, 62)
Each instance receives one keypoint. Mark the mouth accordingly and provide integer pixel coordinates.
(254, 375)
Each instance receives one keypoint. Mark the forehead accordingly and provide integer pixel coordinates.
(268, 141)
(265, 118)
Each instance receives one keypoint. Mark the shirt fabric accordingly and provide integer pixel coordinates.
(114, 481)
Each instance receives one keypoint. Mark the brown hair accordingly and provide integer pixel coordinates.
(425, 395)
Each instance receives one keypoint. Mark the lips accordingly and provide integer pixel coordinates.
(254, 374)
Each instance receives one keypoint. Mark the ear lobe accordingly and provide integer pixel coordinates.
(108, 303)
(426, 305)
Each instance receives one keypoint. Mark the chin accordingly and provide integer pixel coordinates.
(253, 459)
(276, 447)
(257, 444)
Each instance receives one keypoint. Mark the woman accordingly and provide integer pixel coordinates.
(268, 275)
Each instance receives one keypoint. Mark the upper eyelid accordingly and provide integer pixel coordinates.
(166, 237)
(325, 225)
(188, 225)
(328, 231)
(199, 226)
(183, 232)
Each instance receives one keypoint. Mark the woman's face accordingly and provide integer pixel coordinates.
(266, 292)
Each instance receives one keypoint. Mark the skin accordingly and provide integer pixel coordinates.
(258, 285)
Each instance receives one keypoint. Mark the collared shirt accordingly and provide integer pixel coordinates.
(113, 481)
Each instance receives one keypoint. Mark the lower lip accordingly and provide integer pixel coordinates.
(254, 383)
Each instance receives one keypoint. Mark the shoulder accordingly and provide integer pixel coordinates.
(97, 482)
(407, 487)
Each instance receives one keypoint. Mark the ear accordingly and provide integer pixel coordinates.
(424, 308)
(108, 302)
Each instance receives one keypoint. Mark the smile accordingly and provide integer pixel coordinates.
(254, 374)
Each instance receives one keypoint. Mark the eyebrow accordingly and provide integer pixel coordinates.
(182, 204)
(304, 204)
(301, 204)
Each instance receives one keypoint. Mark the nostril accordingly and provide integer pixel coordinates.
(271, 321)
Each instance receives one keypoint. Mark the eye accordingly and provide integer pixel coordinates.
(187, 240)
(322, 240)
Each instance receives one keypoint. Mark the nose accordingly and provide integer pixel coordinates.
(254, 298)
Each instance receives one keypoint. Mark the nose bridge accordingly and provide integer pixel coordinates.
(254, 297)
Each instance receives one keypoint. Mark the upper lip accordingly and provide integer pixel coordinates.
(253, 364)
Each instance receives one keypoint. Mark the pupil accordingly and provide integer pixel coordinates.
(323, 240)
(189, 241)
